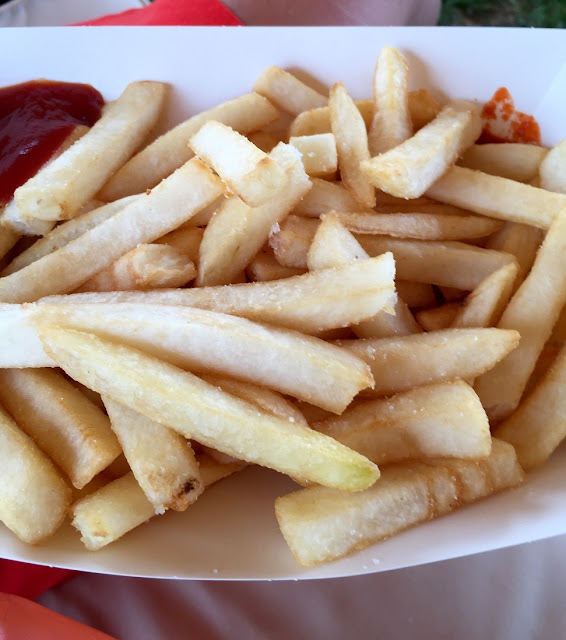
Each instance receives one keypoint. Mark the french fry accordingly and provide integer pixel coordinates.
(11, 218)
(538, 426)
(510, 160)
(552, 169)
(423, 108)
(264, 140)
(264, 267)
(350, 133)
(438, 318)
(533, 311)
(66, 184)
(237, 232)
(401, 363)
(443, 419)
(179, 197)
(8, 239)
(161, 460)
(148, 266)
(321, 524)
(202, 412)
(318, 154)
(291, 242)
(317, 121)
(246, 170)
(391, 123)
(34, 498)
(448, 264)
(486, 303)
(326, 196)
(497, 197)
(409, 168)
(155, 162)
(186, 240)
(287, 92)
(416, 294)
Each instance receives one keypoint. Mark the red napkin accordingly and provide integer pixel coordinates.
(29, 580)
(172, 13)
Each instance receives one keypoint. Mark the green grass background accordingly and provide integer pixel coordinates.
(504, 13)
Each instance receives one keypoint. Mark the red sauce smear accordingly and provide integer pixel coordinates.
(503, 123)
(35, 119)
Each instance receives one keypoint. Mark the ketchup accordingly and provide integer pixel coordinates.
(35, 119)
(503, 123)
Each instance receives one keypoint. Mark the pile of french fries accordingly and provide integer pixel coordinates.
(354, 294)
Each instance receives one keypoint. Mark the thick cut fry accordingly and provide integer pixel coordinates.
(67, 426)
(448, 264)
(351, 143)
(438, 318)
(264, 140)
(66, 184)
(399, 364)
(509, 160)
(11, 217)
(186, 240)
(202, 412)
(264, 267)
(423, 108)
(197, 340)
(179, 197)
(321, 524)
(148, 266)
(120, 506)
(287, 92)
(497, 197)
(391, 123)
(324, 197)
(410, 168)
(539, 424)
(291, 242)
(552, 169)
(485, 304)
(146, 169)
(161, 460)
(318, 154)
(317, 121)
(443, 419)
(33, 497)
(533, 311)
(247, 170)
(420, 226)
(237, 232)
(65, 233)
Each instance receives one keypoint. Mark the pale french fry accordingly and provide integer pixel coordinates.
(65, 233)
(264, 267)
(204, 216)
(147, 168)
(350, 133)
(423, 107)
(538, 426)
(148, 266)
(66, 184)
(186, 240)
(316, 121)
(420, 226)
(307, 368)
(391, 123)
(11, 218)
(178, 197)
(161, 460)
(449, 264)
(533, 311)
(401, 363)
(514, 161)
(321, 524)
(498, 197)
(246, 170)
(408, 169)
(438, 318)
(486, 303)
(415, 294)
(67, 426)
(34, 498)
(202, 412)
(291, 242)
(237, 232)
(552, 169)
(318, 154)
(443, 419)
(326, 196)
(287, 92)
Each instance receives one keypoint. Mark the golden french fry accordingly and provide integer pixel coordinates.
(498, 197)
(318, 153)
(552, 169)
(326, 196)
(264, 140)
(391, 123)
(170, 151)
(265, 267)
(291, 242)
(186, 240)
(178, 197)
(321, 524)
(350, 133)
(438, 318)
(202, 412)
(287, 92)
(316, 121)
(401, 363)
(34, 498)
(66, 184)
(510, 160)
(416, 294)
(67, 426)
(533, 311)
(8, 239)
(423, 108)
